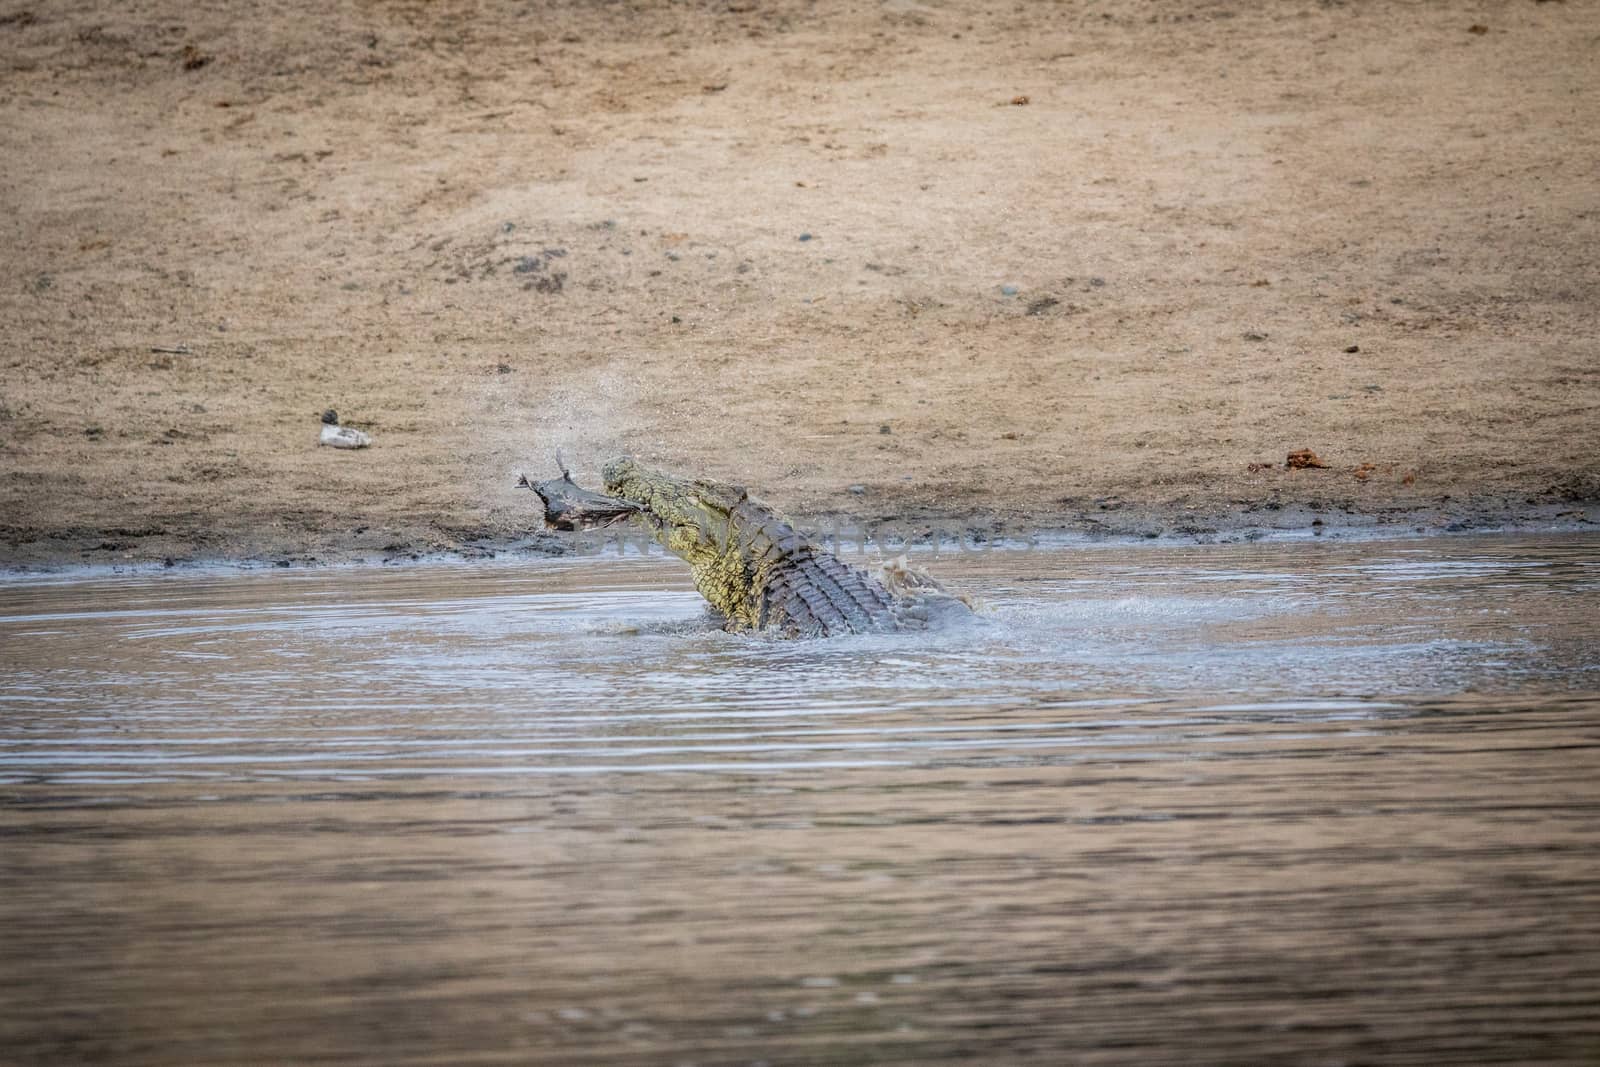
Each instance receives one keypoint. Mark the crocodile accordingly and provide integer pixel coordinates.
(753, 567)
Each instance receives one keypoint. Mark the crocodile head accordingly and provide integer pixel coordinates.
(692, 517)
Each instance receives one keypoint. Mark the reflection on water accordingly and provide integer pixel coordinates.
(1316, 803)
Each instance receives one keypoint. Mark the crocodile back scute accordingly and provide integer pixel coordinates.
(814, 593)
(804, 590)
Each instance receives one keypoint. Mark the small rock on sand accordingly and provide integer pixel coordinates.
(1303, 459)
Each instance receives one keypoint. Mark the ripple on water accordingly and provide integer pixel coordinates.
(292, 676)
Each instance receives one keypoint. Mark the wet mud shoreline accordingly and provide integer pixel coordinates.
(1112, 521)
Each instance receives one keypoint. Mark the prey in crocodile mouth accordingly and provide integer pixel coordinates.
(569, 506)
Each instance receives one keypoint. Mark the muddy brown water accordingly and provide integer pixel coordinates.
(1298, 802)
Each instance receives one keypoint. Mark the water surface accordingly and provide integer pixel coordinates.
(1296, 802)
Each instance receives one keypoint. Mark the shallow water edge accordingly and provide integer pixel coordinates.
(856, 539)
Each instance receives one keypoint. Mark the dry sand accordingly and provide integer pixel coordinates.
(1087, 262)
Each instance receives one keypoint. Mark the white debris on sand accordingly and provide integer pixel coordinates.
(336, 436)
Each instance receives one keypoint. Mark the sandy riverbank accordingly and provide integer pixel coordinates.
(807, 248)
